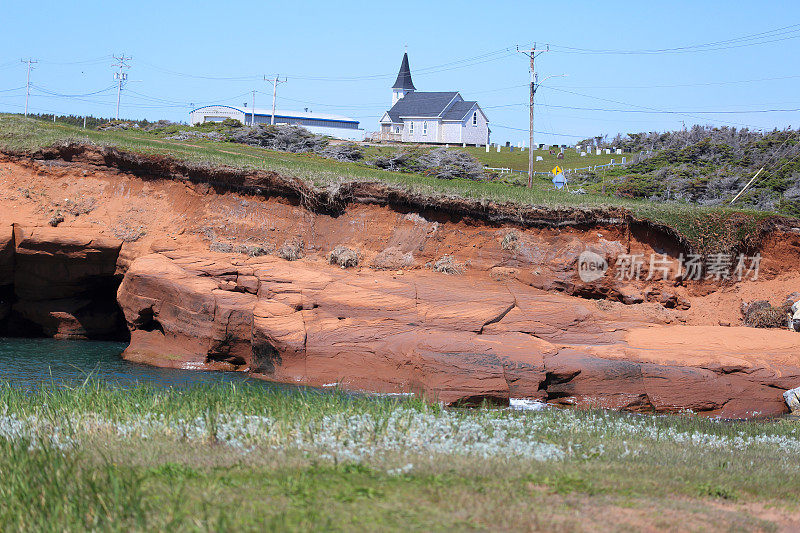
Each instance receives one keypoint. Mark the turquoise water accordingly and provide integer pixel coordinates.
(28, 363)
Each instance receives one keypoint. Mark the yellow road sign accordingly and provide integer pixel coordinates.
(556, 171)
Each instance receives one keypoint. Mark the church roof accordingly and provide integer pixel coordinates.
(404, 76)
(422, 104)
(459, 110)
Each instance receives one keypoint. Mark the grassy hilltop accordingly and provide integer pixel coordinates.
(706, 228)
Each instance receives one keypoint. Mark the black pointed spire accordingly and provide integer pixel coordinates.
(404, 76)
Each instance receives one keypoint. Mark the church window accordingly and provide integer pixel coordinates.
(475, 118)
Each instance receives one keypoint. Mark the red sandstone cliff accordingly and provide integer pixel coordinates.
(519, 323)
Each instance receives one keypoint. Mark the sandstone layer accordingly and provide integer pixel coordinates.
(454, 339)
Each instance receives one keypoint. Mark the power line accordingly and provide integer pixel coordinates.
(775, 35)
(101, 59)
(444, 67)
(666, 112)
(645, 107)
(676, 85)
(183, 103)
(537, 131)
(51, 93)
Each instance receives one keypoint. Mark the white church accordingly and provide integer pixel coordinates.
(432, 117)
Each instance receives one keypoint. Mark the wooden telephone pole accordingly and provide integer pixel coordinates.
(30, 63)
(533, 53)
(274, 83)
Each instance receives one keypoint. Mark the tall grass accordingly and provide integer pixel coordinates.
(45, 489)
(238, 456)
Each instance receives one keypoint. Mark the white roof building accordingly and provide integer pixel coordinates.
(337, 126)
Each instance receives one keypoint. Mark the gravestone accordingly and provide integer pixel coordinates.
(498, 148)
(608, 151)
(619, 151)
(599, 151)
(583, 154)
(487, 148)
(463, 145)
(539, 158)
(623, 160)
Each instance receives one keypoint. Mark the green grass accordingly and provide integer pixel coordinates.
(518, 160)
(705, 229)
(130, 463)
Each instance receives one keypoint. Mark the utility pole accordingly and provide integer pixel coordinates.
(274, 83)
(30, 62)
(533, 53)
(121, 76)
(253, 113)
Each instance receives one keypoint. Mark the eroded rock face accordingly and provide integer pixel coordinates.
(6, 271)
(452, 338)
(60, 282)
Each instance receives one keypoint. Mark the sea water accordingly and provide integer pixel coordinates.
(28, 363)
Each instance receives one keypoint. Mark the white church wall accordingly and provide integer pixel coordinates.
(451, 132)
(421, 134)
(478, 134)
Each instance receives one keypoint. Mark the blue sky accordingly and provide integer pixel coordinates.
(342, 57)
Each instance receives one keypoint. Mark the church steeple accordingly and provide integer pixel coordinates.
(403, 85)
